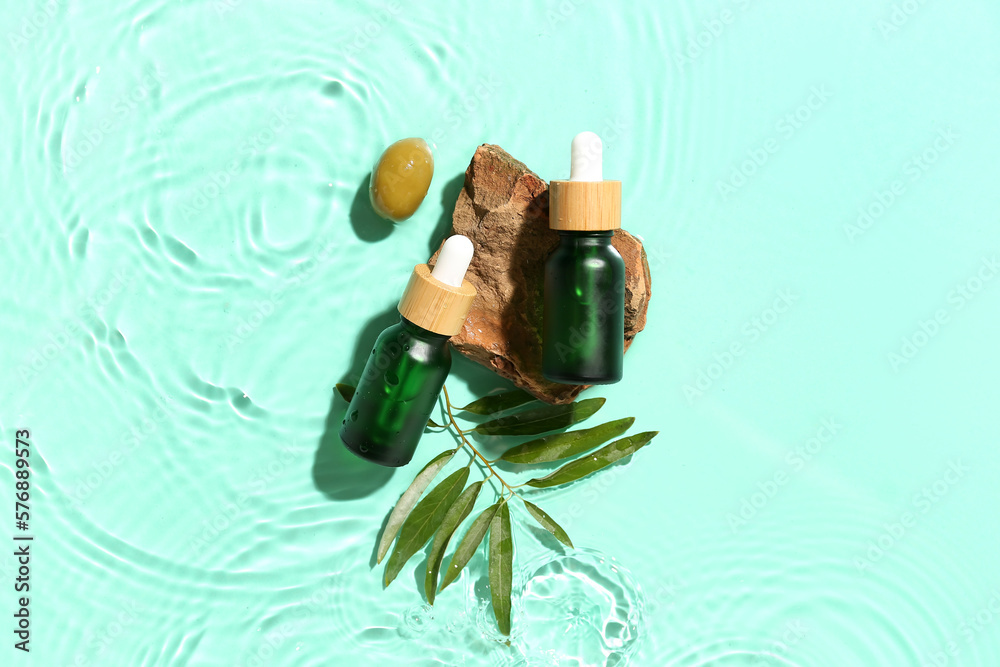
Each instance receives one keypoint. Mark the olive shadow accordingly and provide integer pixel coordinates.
(367, 224)
(339, 473)
(449, 195)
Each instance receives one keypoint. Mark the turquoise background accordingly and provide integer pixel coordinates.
(190, 265)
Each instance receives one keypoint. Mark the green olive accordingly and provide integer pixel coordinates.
(400, 179)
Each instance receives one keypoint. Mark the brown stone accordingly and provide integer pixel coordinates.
(504, 209)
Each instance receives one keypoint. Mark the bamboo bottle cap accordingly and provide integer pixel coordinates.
(585, 206)
(434, 305)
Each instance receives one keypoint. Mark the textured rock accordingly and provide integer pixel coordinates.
(504, 209)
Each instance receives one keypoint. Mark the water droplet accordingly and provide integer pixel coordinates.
(391, 378)
(584, 600)
(406, 347)
(417, 620)
(373, 350)
(458, 622)
(363, 448)
(354, 415)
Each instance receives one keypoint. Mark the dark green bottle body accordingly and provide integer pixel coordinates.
(396, 394)
(583, 329)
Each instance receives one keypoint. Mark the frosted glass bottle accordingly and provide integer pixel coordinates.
(583, 327)
(584, 311)
(396, 394)
(410, 361)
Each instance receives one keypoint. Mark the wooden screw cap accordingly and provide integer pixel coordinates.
(433, 305)
(585, 206)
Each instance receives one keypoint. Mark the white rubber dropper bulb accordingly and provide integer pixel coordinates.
(456, 253)
(586, 156)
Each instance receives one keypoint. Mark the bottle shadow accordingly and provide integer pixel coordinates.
(337, 472)
(366, 341)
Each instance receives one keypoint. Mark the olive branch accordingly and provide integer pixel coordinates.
(417, 518)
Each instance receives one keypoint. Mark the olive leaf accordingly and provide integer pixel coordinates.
(541, 420)
(566, 445)
(548, 523)
(433, 424)
(501, 566)
(602, 458)
(467, 547)
(424, 520)
(456, 515)
(490, 405)
(409, 499)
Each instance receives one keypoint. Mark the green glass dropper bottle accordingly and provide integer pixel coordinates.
(583, 328)
(410, 360)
